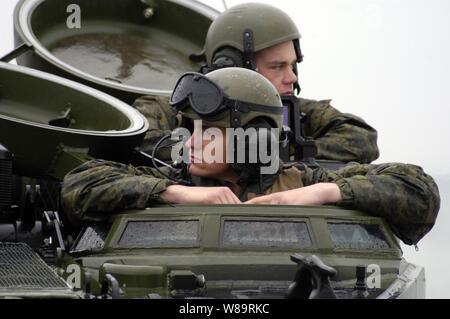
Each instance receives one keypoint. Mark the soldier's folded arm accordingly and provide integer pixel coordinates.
(403, 194)
(98, 188)
(339, 136)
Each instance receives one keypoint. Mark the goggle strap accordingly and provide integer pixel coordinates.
(245, 107)
(235, 105)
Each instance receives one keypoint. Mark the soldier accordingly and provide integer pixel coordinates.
(238, 98)
(263, 38)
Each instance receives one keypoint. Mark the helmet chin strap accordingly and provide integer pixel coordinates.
(298, 53)
(297, 87)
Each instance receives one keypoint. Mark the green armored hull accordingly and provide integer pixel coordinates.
(241, 252)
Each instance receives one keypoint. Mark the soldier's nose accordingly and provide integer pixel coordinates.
(291, 77)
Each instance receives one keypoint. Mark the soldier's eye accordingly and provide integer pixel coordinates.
(276, 67)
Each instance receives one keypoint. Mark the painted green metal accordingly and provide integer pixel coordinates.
(229, 268)
(51, 124)
(128, 49)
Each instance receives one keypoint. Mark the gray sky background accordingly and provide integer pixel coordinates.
(387, 61)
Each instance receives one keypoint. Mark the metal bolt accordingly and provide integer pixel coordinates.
(149, 13)
(201, 281)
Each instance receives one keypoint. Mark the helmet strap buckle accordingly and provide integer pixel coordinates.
(249, 50)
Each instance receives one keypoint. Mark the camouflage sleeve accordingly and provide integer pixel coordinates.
(98, 188)
(403, 194)
(339, 136)
(162, 120)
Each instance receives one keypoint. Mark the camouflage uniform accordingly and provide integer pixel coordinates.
(339, 136)
(403, 194)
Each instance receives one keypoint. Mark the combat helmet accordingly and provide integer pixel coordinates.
(242, 30)
(230, 98)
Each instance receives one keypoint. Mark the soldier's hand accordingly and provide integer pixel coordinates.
(318, 194)
(178, 194)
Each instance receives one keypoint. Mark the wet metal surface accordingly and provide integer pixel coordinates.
(160, 234)
(26, 112)
(149, 59)
(266, 234)
(357, 236)
(44, 114)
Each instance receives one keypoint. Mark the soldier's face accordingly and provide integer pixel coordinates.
(277, 65)
(207, 152)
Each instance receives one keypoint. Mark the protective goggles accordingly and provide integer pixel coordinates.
(207, 99)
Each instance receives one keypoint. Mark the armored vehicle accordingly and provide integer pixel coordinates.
(50, 124)
(244, 252)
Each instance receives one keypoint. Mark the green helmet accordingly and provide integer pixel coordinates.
(249, 28)
(241, 86)
(233, 98)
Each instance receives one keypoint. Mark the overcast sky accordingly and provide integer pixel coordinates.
(387, 61)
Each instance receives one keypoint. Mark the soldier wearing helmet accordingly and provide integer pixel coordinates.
(242, 36)
(265, 39)
(248, 101)
(236, 98)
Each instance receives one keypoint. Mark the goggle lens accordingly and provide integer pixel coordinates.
(206, 97)
(182, 89)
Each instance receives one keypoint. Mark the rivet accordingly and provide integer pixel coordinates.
(149, 13)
